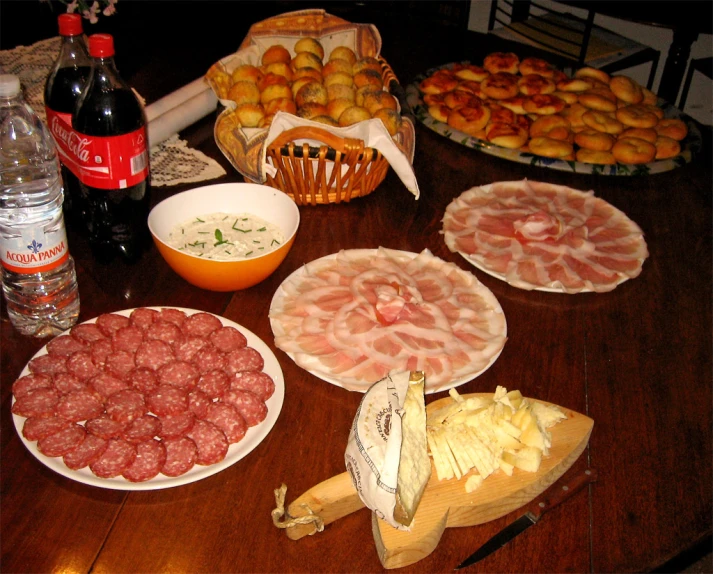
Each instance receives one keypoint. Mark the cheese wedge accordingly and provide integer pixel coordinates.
(414, 463)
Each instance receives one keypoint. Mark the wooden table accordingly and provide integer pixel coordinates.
(637, 360)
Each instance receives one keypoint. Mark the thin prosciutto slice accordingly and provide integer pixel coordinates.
(547, 237)
(355, 316)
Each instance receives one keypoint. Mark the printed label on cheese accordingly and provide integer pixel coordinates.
(374, 446)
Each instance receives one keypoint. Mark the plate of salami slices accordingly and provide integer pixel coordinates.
(148, 398)
(352, 317)
(545, 237)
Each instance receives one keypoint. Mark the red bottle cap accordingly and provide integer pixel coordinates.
(101, 45)
(70, 24)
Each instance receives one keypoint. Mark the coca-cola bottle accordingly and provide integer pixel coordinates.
(113, 159)
(64, 85)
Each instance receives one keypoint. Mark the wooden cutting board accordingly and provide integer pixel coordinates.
(446, 503)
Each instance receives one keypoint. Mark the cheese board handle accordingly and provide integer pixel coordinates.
(330, 500)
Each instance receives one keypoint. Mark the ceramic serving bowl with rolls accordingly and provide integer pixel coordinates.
(225, 237)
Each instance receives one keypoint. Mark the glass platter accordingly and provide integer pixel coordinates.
(690, 146)
(254, 436)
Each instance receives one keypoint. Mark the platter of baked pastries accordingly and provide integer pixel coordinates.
(528, 111)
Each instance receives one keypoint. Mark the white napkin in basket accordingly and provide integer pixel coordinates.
(371, 132)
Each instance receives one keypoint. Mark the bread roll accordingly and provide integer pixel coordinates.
(276, 53)
(343, 53)
(311, 93)
(249, 115)
(307, 60)
(275, 91)
(337, 66)
(353, 115)
(341, 91)
(248, 73)
(310, 45)
(390, 118)
(244, 92)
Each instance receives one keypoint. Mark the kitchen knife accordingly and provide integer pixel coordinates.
(554, 498)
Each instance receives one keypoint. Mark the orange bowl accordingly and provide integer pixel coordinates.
(261, 201)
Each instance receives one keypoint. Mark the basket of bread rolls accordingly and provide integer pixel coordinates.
(328, 76)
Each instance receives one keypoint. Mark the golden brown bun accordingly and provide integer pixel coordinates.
(390, 118)
(440, 112)
(333, 66)
(469, 120)
(325, 120)
(568, 98)
(637, 116)
(281, 69)
(594, 140)
(311, 93)
(375, 101)
(506, 135)
(306, 60)
(275, 53)
(309, 111)
(602, 122)
(305, 72)
(549, 147)
(471, 72)
(597, 101)
(593, 156)
(592, 73)
(532, 84)
(343, 53)
(353, 115)
(543, 104)
(341, 91)
(626, 89)
(553, 126)
(310, 45)
(666, 147)
(438, 84)
(502, 62)
(244, 92)
(672, 128)
(574, 85)
(336, 107)
(274, 92)
(338, 78)
(367, 63)
(500, 86)
(298, 84)
(270, 79)
(280, 104)
(537, 66)
(647, 134)
(249, 115)
(368, 77)
(248, 73)
(361, 93)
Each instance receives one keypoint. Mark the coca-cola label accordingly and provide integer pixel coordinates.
(34, 249)
(67, 140)
(114, 162)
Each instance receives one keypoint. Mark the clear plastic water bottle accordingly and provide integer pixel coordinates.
(38, 277)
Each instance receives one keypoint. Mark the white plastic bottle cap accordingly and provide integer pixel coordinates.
(9, 85)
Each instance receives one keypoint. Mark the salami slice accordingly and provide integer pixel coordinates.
(175, 316)
(87, 333)
(62, 441)
(253, 409)
(245, 359)
(179, 374)
(28, 383)
(210, 441)
(125, 406)
(229, 420)
(177, 425)
(109, 323)
(143, 317)
(150, 459)
(167, 400)
(209, 359)
(47, 365)
(82, 366)
(127, 338)
(90, 450)
(37, 403)
(36, 428)
(100, 350)
(106, 385)
(257, 382)
(142, 429)
(214, 383)
(117, 457)
(198, 402)
(228, 339)
(104, 427)
(187, 348)
(79, 406)
(180, 456)
(164, 331)
(201, 325)
(143, 380)
(64, 345)
(67, 382)
(154, 354)
(120, 363)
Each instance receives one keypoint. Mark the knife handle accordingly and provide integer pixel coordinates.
(558, 495)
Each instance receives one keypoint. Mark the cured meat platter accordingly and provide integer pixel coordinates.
(445, 503)
(236, 451)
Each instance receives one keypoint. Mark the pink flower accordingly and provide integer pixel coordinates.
(91, 14)
(110, 8)
(72, 7)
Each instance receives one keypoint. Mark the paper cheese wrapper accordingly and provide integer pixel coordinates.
(374, 446)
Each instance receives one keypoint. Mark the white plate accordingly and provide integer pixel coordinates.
(483, 291)
(237, 451)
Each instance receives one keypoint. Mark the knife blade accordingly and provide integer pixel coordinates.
(549, 501)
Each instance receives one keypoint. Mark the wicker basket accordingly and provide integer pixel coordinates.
(335, 169)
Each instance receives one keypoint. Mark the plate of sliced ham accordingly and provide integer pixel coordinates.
(148, 398)
(545, 237)
(352, 317)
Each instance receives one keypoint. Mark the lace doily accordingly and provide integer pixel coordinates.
(172, 162)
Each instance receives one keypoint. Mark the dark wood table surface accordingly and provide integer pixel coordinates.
(636, 360)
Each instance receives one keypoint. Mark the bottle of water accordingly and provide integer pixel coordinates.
(38, 277)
